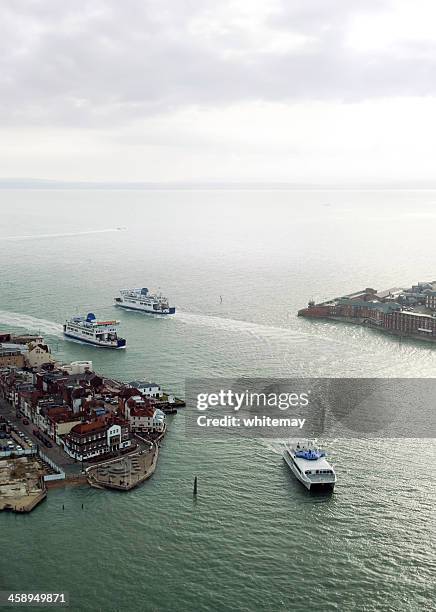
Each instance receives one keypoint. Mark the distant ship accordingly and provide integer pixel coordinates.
(309, 464)
(91, 331)
(141, 299)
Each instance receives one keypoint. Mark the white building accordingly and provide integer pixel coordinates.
(38, 354)
(77, 367)
(143, 416)
(149, 389)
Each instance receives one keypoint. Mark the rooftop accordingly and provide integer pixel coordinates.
(9, 351)
(142, 383)
(85, 428)
(142, 411)
(417, 314)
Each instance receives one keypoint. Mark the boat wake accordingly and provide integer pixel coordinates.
(29, 323)
(261, 332)
(58, 235)
(277, 445)
(231, 324)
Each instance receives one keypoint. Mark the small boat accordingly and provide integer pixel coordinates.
(309, 464)
(91, 331)
(143, 300)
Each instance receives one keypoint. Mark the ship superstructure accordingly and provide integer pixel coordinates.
(309, 464)
(99, 333)
(143, 300)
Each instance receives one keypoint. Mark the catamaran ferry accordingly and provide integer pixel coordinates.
(309, 465)
(141, 299)
(98, 333)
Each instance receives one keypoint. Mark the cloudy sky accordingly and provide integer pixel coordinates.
(232, 90)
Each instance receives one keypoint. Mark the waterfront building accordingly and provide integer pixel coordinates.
(148, 389)
(38, 354)
(430, 300)
(409, 323)
(89, 440)
(409, 312)
(143, 415)
(11, 357)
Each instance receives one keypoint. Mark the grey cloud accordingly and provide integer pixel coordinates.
(95, 63)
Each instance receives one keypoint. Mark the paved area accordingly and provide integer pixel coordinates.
(21, 488)
(126, 472)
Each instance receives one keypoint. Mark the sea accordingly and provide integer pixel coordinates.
(237, 264)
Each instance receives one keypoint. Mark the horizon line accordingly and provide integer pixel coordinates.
(33, 183)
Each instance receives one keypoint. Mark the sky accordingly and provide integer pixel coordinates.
(298, 91)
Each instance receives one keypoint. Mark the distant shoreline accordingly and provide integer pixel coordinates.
(41, 184)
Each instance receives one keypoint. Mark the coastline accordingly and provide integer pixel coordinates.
(148, 469)
(363, 323)
(69, 428)
(407, 313)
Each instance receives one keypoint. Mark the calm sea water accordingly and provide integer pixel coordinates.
(253, 539)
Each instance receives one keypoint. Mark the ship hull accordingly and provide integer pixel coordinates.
(94, 343)
(306, 482)
(294, 470)
(160, 313)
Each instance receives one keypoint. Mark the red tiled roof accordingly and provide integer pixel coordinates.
(57, 415)
(64, 417)
(85, 428)
(141, 411)
(52, 410)
(128, 392)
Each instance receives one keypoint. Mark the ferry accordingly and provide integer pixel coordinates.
(91, 331)
(309, 464)
(141, 299)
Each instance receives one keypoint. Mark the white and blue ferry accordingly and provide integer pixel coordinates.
(309, 464)
(143, 300)
(99, 333)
